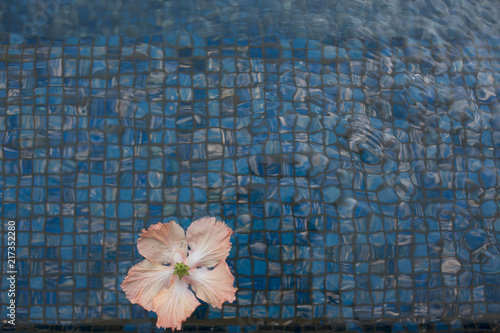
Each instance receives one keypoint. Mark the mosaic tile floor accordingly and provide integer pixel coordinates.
(361, 176)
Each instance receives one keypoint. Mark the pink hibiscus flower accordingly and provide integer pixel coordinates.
(174, 261)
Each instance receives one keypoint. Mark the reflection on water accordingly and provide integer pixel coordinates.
(314, 19)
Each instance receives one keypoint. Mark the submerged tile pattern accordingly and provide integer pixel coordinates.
(361, 176)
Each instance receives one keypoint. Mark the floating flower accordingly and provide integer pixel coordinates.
(174, 261)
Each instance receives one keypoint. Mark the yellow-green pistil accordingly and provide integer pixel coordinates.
(181, 269)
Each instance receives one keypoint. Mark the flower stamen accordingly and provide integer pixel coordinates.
(181, 269)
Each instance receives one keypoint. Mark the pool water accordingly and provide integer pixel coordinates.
(353, 146)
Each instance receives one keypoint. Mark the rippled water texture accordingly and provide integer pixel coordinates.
(312, 19)
(354, 146)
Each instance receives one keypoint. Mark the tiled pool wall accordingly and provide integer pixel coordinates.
(360, 174)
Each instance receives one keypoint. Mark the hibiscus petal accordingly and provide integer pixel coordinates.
(213, 286)
(209, 242)
(174, 305)
(162, 241)
(144, 281)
